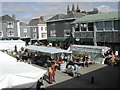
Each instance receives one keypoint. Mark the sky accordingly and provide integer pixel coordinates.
(27, 10)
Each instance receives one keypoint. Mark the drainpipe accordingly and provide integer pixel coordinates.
(94, 35)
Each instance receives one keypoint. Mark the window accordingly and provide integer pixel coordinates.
(66, 23)
(108, 25)
(10, 34)
(99, 26)
(117, 25)
(52, 24)
(1, 34)
(44, 35)
(25, 30)
(45, 28)
(83, 27)
(77, 27)
(34, 35)
(25, 35)
(53, 33)
(34, 29)
(67, 32)
(41, 28)
(10, 25)
(90, 27)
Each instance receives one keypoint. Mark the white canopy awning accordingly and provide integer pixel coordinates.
(10, 44)
(44, 49)
(90, 49)
(96, 52)
(18, 74)
(6, 58)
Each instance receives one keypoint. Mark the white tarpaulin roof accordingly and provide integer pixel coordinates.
(18, 74)
(96, 52)
(10, 44)
(44, 49)
(6, 58)
(90, 49)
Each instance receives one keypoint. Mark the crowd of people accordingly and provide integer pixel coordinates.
(111, 59)
(53, 63)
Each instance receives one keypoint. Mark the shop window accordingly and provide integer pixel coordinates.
(99, 26)
(90, 27)
(108, 25)
(117, 25)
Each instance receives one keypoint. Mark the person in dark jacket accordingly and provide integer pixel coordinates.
(39, 84)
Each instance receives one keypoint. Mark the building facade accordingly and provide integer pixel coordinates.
(10, 27)
(25, 33)
(99, 29)
(38, 29)
(59, 27)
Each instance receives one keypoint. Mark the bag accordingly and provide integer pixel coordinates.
(49, 70)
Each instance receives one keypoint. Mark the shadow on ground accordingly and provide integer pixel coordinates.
(106, 77)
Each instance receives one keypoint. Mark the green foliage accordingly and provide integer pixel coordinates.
(81, 54)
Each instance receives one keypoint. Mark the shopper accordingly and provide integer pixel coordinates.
(39, 84)
(53, 71)
(50, 73)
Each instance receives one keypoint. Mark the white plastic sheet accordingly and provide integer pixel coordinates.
(18, 74)
(96, 52)
(44, 49)
(6, 58)
(10, 44)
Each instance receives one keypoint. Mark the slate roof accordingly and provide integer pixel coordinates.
(70, 15)
(36, 21)
(99, 17)
(23, 24)
(6, 18)
(58, 16)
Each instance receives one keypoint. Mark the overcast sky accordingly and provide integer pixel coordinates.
(25, 11)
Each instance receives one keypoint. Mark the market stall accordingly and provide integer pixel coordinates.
(11, 44)
(18, 74)
(95, 52)
(48, 50)
(6, 58)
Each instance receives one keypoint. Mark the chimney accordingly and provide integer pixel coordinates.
(42, 18)
(14, 17)
(95, 10)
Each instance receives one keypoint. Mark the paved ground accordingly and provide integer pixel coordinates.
(104, 77)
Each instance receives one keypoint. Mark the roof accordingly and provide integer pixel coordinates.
(44, 49)
(70, 15)
(23, 24)
(36, 21)
(6, 18)
(15, 74)
(89, 48)
(99, 17)
(58, 16)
